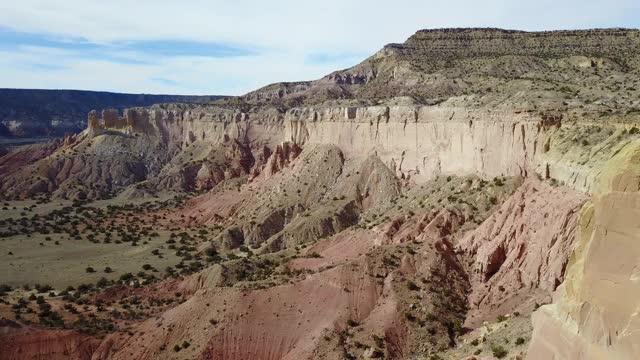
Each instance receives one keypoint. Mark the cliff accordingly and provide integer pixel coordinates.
(595, 313)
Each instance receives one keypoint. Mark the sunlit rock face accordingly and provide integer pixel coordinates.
(595, 315)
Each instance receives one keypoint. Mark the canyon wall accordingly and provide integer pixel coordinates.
(424, 142)
(596, 313)
(416, 142)
(183, 125)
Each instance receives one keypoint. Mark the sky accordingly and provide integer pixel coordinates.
(231, 47)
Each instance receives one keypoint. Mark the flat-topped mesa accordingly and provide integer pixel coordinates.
(482, 42)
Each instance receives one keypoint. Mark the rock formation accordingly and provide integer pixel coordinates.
(525, 245)
(595, 314)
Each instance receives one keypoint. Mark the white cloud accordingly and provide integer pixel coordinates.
(287, 32)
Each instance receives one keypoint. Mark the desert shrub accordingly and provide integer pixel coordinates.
(409, 316)
(90, 269)
(519, 341)
(412, 286)
(352, 323)
(498, 351)
(4, 289)
(211, 251)
(378, 340)
(102, 283)
(457, 327)
(126, 277)
(43, 288)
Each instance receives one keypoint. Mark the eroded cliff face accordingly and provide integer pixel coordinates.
(417, 143)
(186, 124)
(23, 342)
(178, 147)
(519, 255)
(424, 142)
(595, 315)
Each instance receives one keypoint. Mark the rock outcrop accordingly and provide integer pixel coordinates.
(23, 342)
(519, 255)
(595, 314)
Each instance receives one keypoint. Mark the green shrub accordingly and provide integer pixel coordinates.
(126, 276)
(102, 283)
(412, 286)
(498, 351)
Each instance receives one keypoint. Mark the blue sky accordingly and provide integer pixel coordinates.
(232, 47)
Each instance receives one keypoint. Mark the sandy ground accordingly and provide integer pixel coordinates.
(65, 264)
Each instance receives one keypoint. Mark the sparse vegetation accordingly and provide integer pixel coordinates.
(498, 351)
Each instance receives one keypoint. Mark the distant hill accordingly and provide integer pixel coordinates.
(35, 113)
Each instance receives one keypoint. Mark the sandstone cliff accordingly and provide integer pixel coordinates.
(595, 314)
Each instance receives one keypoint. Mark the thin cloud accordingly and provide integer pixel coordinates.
(335, 58)
(16, 40)
(223, 47)
(46, 67)
(165, 81)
